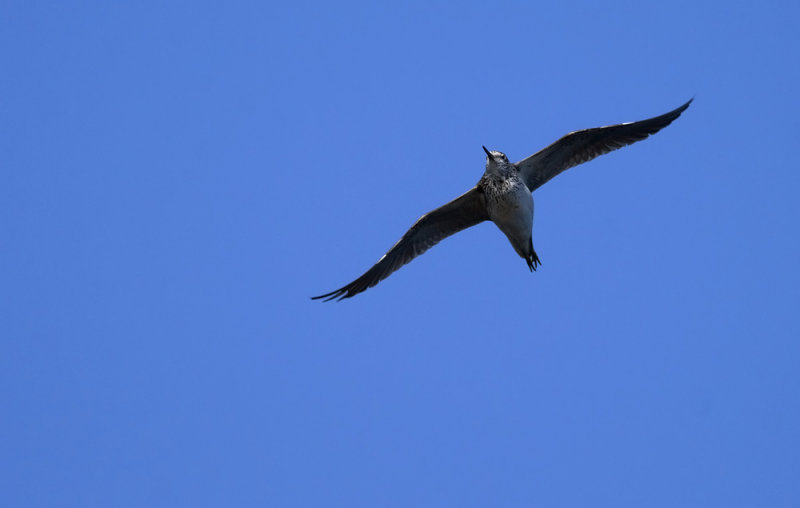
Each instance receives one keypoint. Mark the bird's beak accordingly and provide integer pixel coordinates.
(487, 152)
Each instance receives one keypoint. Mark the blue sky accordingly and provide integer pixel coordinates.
(179, 178)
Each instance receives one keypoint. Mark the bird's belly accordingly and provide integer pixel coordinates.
(512, 211)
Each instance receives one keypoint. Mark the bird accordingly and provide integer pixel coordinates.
(503, 195)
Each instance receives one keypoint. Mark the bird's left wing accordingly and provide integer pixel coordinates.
(465, 211)
(584, 145)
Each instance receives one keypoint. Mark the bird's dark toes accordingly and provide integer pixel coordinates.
(535, 259)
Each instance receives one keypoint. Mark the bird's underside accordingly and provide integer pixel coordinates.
(470, 208)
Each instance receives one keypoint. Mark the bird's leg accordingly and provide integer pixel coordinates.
(532, 261)
(532, 258)
(535, 259)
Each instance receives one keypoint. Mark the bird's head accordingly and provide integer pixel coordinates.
(495, 158)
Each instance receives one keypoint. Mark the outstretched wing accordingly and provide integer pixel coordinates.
(463, 212)
(584, 145)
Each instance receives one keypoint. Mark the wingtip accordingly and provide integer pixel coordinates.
(338, 295)
(325, 297)
(674, 114)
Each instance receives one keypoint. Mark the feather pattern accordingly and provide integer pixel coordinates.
(584, 145)
(463, 212)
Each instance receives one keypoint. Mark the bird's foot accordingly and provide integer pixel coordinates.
(533, 261)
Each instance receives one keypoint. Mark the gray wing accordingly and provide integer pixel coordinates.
(463, 212)
(582, 146)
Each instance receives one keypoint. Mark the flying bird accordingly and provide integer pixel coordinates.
(503, 196)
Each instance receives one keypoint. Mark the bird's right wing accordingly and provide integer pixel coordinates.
(584, 145)
(465, 211)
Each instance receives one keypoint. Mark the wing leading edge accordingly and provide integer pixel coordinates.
(584, 145)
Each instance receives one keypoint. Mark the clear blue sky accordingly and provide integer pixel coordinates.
(179, 178)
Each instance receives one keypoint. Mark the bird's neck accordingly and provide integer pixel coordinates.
(501, 170)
